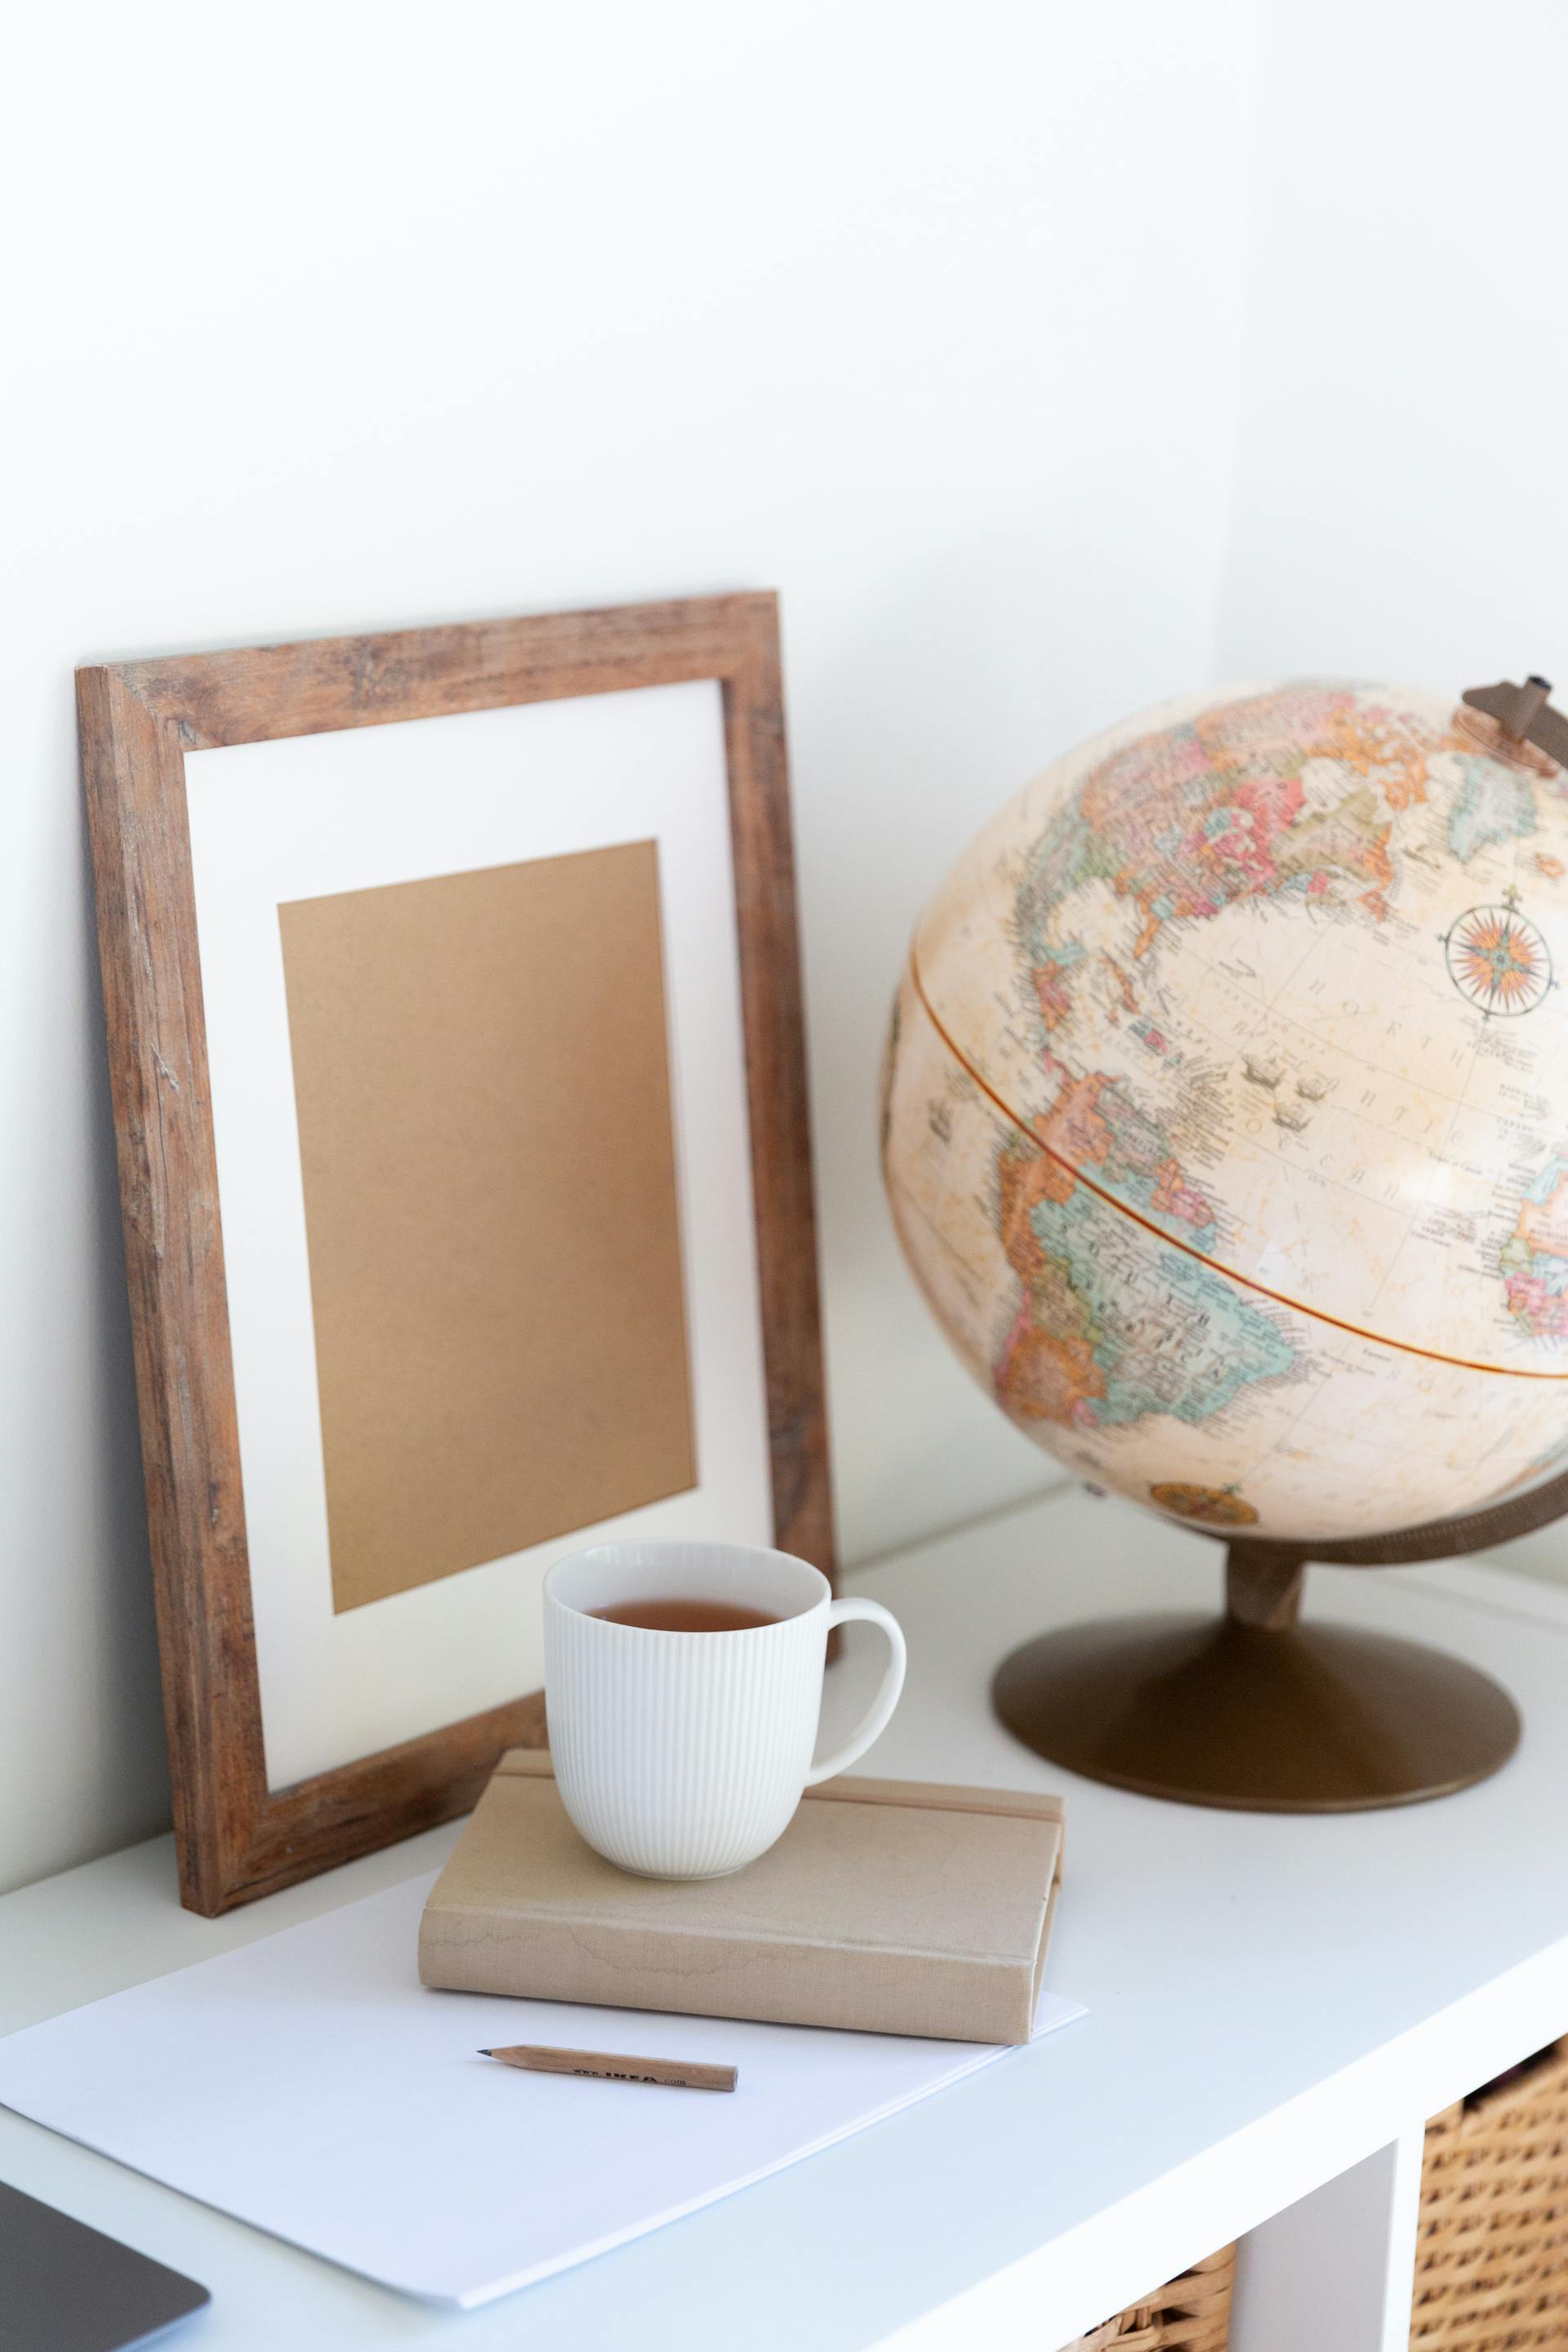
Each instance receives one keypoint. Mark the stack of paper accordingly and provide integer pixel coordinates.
(307, 2083)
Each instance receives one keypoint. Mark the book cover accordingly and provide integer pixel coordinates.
(890, 1907)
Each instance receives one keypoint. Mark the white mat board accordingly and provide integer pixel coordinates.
(311, 815)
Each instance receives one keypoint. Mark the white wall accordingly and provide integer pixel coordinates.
(1402, 496)
(940, 321)
(350, 316)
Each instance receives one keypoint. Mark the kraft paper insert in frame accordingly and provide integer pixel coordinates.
(482, 1079)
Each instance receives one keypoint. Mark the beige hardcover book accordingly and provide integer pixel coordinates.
(888, 1906)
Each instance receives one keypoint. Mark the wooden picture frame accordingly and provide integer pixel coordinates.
(239, 1839)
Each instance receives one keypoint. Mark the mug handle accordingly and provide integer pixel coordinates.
(874, 1722)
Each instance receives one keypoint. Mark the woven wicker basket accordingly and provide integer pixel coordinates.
(1491, 2268)
(1191, 2314)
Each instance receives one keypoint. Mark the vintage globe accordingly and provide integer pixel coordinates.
(1225, 1110)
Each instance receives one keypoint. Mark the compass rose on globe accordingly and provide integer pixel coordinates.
(1498, 959)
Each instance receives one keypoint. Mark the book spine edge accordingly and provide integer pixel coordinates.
(870, 1990)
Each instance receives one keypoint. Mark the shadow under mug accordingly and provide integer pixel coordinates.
(684, 1755)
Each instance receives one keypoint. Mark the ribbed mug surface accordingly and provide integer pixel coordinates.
(683, 1755)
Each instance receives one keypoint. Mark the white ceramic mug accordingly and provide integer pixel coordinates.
(684, 1755)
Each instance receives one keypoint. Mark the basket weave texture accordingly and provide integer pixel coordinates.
(1491, 2265)
(1191, 2314)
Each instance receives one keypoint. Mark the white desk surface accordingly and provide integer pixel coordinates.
(1271, 2001)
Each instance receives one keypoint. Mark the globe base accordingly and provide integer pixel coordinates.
(1258, 1717)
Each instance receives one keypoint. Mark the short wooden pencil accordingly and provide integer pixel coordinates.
(610, 2066)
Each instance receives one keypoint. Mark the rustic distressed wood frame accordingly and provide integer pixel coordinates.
(238, 1840)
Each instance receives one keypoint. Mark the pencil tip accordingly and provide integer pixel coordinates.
(487, 2053)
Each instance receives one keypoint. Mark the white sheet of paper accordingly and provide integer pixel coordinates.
(310, 2085)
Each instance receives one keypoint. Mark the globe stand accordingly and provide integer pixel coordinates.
(1257, 1711)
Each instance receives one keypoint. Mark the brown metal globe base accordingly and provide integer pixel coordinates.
(1258, 1713)
(1318, 1719)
